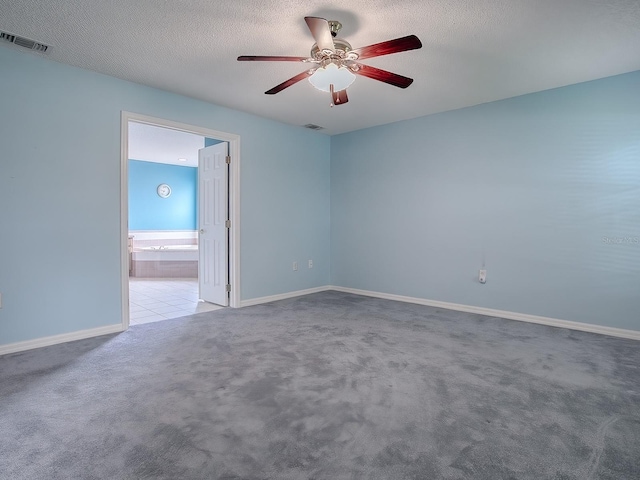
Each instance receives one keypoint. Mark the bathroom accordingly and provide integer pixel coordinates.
(163, 222)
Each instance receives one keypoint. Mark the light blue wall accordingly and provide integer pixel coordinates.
(149, 211)
(532, 185)
(60, 195)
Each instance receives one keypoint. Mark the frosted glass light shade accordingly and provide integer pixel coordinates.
(341, 78)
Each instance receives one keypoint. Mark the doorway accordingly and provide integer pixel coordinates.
(137, 292)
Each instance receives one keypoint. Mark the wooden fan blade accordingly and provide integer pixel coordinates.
(258, 58)
(321, 32)
(383, 76)
(291, 81)
(339, 97)
(403, 44)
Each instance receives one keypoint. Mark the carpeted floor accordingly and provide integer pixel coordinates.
(326, 386)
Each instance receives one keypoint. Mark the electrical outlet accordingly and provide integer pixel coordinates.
(295, 266)
(310, 263)
(482, 276)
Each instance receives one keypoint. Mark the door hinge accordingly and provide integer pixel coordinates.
(227, 223)
(228, 160)
(228, 287)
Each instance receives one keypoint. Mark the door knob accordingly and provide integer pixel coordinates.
(202, 230)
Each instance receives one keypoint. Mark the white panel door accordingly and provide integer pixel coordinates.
(213, 237)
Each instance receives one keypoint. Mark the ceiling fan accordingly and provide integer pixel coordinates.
(335, 63)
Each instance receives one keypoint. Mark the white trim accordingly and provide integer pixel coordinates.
(234, 214)
(283, 296)
(124, 219)
(164, 234)
(521, 317)
(234, 200)
(62, 338)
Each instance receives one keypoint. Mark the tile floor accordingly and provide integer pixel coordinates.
(155, 299)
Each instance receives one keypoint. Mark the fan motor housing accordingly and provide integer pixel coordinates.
(342, 47)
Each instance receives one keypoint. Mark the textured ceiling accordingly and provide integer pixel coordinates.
(475, 51)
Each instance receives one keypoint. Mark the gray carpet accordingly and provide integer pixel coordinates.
(327, 386)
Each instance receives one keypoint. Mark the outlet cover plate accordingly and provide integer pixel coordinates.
(482, 276)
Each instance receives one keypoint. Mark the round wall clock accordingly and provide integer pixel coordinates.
(164, 190)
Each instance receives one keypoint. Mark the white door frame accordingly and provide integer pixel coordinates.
(234, 200)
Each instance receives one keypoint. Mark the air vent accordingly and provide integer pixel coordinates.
(24, 42)
(311, 126)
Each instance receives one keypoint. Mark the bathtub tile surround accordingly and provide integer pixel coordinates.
(165, 267)
(155, 299)
(158, 254)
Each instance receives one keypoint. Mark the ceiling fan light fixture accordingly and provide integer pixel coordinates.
(336, 62)
(339, 77)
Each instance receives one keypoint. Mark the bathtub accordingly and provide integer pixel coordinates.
(168, 261)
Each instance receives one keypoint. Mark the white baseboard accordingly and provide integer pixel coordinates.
(521, 317)
(283, 296)
(55, 339)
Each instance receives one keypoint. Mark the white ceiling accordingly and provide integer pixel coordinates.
(163, 145)
(474, 51)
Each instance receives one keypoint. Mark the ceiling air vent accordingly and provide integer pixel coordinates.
(24, 42)
(311, 126)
